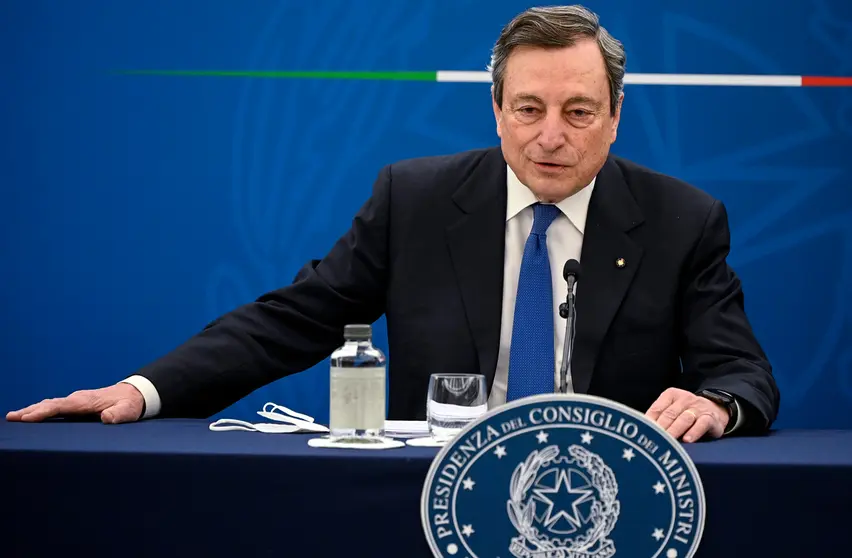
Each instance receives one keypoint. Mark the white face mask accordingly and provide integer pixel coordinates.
(293, 422)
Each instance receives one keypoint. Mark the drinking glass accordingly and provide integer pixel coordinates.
(454, 401)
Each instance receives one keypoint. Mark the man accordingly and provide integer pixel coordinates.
(464, 255)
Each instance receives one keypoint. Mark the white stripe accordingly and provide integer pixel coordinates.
(459, 77)
(713, 79)
(450, 76)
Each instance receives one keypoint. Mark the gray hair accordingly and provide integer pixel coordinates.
(555, 27)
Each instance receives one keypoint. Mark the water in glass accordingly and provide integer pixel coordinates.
(453, 402)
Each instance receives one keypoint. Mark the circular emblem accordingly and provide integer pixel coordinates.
(563, 476)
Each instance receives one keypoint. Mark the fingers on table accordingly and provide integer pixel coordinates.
(75, 404)
(672, 416)
(705, 423)
(663, 402)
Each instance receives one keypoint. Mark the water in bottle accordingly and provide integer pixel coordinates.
(358, 371)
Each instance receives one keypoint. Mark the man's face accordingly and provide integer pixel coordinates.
(555, 124)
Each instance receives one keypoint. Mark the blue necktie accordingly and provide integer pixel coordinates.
(531, 360)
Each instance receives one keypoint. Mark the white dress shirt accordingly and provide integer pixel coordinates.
(564, 242)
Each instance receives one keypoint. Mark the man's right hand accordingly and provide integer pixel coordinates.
(115, 404)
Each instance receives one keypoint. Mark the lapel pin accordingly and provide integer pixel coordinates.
(620, 262)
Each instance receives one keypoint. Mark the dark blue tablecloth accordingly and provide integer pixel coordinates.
(174, 488)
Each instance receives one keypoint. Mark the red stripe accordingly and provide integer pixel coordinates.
(817, 81)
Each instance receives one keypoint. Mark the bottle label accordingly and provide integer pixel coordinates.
(357, 398)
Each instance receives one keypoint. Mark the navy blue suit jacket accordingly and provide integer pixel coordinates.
(426, 250)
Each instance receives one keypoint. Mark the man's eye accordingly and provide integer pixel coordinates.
(580, 113)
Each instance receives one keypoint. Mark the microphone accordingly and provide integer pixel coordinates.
(571, 273)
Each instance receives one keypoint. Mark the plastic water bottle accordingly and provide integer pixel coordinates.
(358, 372)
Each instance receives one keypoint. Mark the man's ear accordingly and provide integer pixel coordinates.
(617, 118)
(498, 113)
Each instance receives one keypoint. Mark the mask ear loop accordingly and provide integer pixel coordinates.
(222, 425)
(279, 418)
(285, 411)
(271, 412)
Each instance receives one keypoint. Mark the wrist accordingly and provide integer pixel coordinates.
(725, 401)
(135, 395)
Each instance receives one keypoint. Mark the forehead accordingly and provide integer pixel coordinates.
(553, 73)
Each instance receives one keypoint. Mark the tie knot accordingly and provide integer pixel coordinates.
(544, 216)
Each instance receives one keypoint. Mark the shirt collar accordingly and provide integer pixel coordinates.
(574, 207)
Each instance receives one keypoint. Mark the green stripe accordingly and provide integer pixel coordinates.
(385, 76)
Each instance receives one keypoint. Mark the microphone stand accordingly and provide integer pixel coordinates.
(567, 310)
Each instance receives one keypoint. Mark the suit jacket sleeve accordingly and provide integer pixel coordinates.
(284, 331)
(719, 349)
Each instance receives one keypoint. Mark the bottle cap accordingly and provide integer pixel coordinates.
(358, 332)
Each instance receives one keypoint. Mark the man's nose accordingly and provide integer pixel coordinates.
(552, 135)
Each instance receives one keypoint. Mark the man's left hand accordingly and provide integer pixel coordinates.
(682, 413)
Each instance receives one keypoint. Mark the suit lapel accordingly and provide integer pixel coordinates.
(476, 242)
(613, 212)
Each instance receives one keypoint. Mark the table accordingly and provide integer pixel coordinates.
(174, 488)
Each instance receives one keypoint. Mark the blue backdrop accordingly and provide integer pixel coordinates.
(136, 208)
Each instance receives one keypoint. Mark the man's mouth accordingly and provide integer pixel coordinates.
(548, 165)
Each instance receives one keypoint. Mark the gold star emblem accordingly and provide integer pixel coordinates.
(620, 262)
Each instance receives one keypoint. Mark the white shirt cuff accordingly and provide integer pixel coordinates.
(149, 394)
(740, 417)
